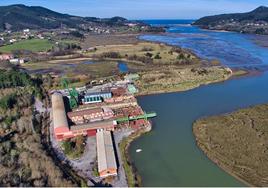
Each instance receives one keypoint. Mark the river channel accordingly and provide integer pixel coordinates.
(169, 154)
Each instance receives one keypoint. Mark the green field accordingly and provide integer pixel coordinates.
(35, 45)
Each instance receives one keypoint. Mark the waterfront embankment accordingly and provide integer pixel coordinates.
(133, 178)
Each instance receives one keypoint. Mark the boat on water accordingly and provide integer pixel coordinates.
(138, 150)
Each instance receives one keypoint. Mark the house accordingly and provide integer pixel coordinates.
(26, 30)
(24, 37)
(17, 61)
(12, 40)
(131, 24)
(40, 36)
(5, 57)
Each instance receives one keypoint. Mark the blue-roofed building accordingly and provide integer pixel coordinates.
(97, 97)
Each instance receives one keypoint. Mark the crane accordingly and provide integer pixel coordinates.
(133, 118)
(73, 100)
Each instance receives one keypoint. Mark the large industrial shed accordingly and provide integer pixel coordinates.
(97, 97)
(89, 128)
(60, 122)
(106, 156)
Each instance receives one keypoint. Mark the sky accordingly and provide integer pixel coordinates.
(144, 9)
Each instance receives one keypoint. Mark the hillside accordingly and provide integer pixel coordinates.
(18, 17)
(255, 22)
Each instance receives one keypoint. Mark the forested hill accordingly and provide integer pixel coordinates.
(255, 21)
(18, 17)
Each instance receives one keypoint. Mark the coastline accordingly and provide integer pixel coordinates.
(128, 140)
(182, 90)
(124, 148)
(227, 31)
(245, 159)
(228, 171)
(132, 176)
(218, 74)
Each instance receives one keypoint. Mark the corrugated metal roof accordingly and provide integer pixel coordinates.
(58, 110)
(105, 151)
(85, 112)
(98, 93)
(94, 125)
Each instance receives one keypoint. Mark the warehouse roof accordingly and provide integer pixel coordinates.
(105, 151)
(94, 125)
(85, 112)
(98, 93)
(58, 110)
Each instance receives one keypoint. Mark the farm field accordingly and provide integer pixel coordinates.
(35, 45)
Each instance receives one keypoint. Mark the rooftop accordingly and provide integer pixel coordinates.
(94, 125)
(98, 93)
(105, 151)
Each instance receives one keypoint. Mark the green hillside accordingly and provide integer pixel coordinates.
(18, 17)
(259, 14)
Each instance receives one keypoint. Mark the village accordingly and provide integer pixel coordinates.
(105, 114)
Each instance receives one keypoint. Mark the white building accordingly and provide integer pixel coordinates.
(17, 61)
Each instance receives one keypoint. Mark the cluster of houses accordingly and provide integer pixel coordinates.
(99, 30)
(109, 30)
(246, 23)
(6, 38)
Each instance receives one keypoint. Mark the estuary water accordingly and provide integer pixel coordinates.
(169, 154)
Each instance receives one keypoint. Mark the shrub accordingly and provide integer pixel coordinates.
(7, 102)
(144, 59)
(13, 78)
(147, 49)
(181, 56)
(77, 34)
(157, 56)
(114, 55)
(149, 55)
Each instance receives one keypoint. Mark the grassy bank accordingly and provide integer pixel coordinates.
(174, 78)
(237, 142)
(146, 52)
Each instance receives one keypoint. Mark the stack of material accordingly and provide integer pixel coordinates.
(92, 115)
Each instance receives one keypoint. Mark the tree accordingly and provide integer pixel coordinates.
(7, 102)
(157, 56)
